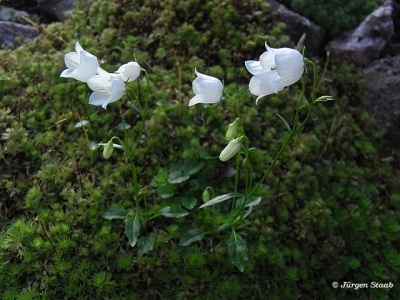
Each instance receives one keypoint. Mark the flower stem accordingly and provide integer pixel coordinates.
(294, 131)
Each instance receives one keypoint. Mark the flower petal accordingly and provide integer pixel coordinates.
(117, 88)
(66, 73)
(201, 85)
(129, 72)
(71, 60)
(202, 98)
(290, 65)
(99, 99)
(207, 77)
(78, 47)
(100, 84)
(254, 66)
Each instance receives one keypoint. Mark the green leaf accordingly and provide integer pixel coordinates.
(121, 126)
(177, 177)
(191, 166)
(166, 190)
(189, 203)
(229, 172)
(173, 211)
(191, 236)
(203, 153)
(133, 105)
(284, 123)
(220, 199)
(252, 201)
(115, 213)
(145, 244)
(132, 228)
(237, 250)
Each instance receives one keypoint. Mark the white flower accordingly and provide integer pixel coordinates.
(230, 150)
(208, 89)
(108, 148)
(107, 88)
(81, 64)
(276, 69)
(129, 72)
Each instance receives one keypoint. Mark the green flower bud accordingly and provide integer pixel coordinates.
(232, 130)
(324, 99)
(108, 150)
(230, 150)
(206, 195)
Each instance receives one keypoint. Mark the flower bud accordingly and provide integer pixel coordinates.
(129, 72)
(232, 130)
(108, 150)
(323, 99)
(206, 195)
(230, 150)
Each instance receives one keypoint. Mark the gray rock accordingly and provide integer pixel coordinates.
(297, 25)
(56, 8)
(9, 31)
(363, 44)
(382, 95)
(10, 14)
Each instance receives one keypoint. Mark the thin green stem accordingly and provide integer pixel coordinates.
(294, 131)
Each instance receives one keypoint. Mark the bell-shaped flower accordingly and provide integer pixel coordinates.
(81, 64)
(129, 72)
(231, 149)
(276, 69)
(208, 89)
(107, 88)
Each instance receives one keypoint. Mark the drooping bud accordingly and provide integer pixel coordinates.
(108, 150)
(230, 150)
(232, 130)
(206, 195)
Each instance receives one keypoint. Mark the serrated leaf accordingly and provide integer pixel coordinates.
(145, 244)
(132, 228)
(177, 177)
(173, 211)
(189, 203)
(220, 199)
(191, 236)
(284, 123)
(237, 250)
(115, 213)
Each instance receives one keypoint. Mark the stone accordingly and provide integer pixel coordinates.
(56, 8)
(363, 44)
(297, 25)
(9, 31)
(10, 14)
(382, 96)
